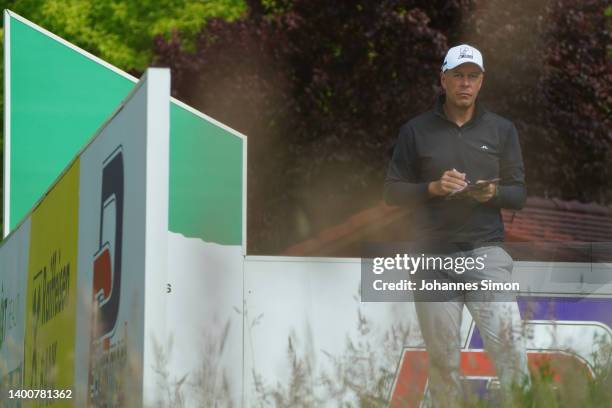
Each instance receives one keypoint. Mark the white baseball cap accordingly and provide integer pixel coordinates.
(460, 55)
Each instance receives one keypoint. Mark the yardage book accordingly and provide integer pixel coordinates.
(464, 192)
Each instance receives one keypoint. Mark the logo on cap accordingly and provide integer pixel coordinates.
(466, 52)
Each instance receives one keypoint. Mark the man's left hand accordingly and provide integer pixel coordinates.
(485, 194)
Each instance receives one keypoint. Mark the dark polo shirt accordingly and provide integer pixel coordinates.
(485, 147)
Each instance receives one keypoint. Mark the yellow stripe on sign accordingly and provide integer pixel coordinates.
(51, 290)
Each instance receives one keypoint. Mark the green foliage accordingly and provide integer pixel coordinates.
(122, 31)
(321, 89)
(608, 13)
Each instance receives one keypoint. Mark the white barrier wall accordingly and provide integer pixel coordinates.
(204, 324)
(308, 336)
(309, 311)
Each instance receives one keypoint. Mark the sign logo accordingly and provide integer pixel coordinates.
(477, 371)
(107, 348)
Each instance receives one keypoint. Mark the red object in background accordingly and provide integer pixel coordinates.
(411, 379)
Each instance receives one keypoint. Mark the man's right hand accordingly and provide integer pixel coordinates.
(451, 181)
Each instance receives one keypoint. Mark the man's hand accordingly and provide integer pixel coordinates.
(485, 194)
(450, 182)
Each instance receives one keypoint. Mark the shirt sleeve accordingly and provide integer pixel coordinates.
(511, 189)
(402, 186)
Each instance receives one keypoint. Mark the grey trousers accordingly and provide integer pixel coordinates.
(499, 323)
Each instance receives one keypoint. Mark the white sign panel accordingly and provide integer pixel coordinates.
(14, 256)
(123, 222)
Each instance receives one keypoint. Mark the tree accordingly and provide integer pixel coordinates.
(122, 31)
(548, 70)
(321, 89)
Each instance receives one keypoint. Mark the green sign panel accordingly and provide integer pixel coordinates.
(57, 96)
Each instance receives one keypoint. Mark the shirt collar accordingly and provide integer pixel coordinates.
(439, 109)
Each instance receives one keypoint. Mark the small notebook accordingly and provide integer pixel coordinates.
(465, 191)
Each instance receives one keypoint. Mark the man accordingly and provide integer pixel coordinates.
(439, 154)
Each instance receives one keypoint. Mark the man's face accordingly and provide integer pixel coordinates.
(462, 84)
